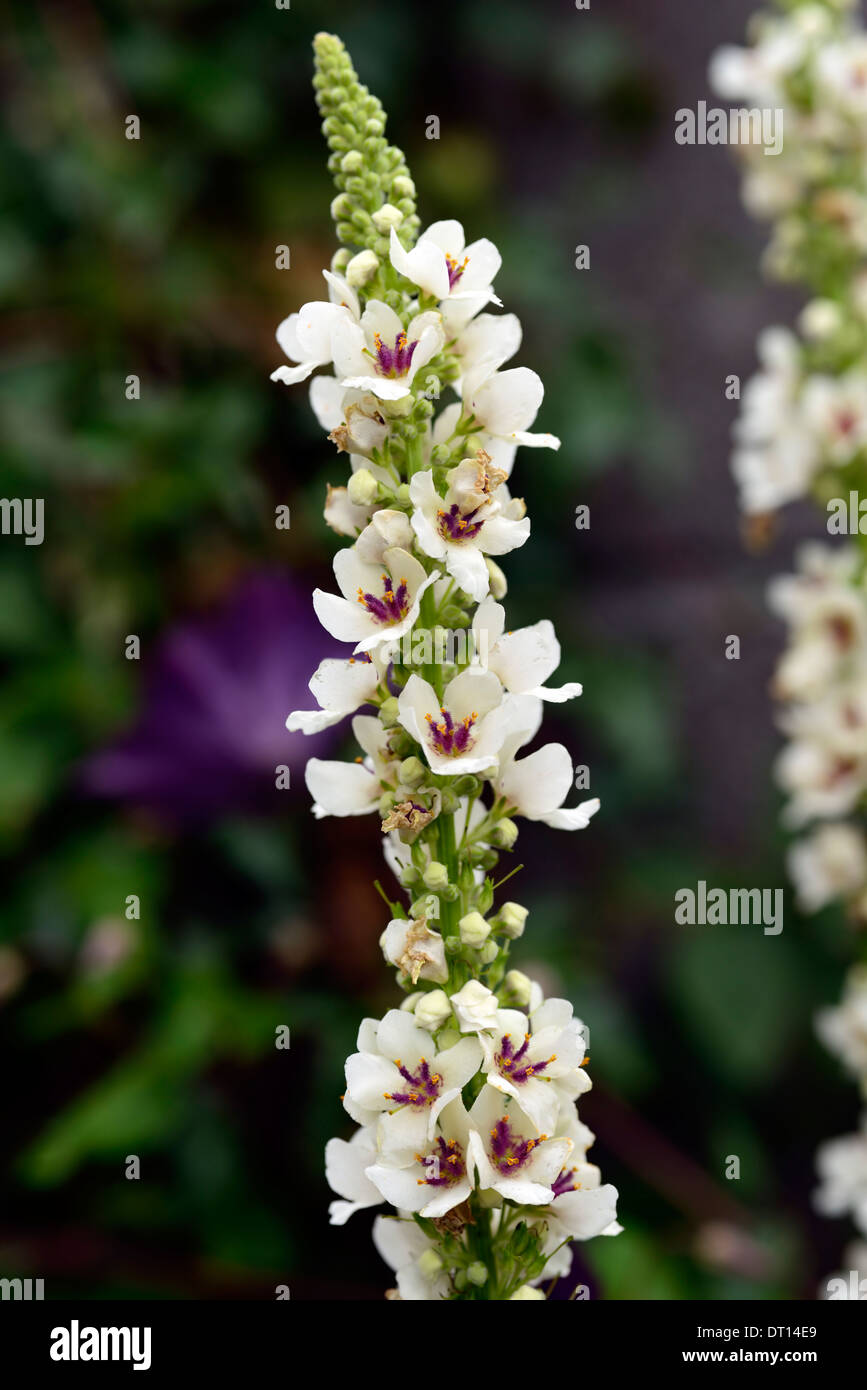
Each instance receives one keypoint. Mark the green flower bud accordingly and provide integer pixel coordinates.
(351, 162)
(450, 802)
(482, 857)
(409, 1003)
(400, 743)
(468, 785)
(510, 920)
(410, 877)
(425, 907)
(429, 1264)
(504, 834)
(433, 1009)
(485, 896)
(489, 952)
(340, 260)
(402, 187)
(412, 772)
(386, 217)
(436, 876)
(516, 989)
(363, 489)
(361, 268)
(341, 206)
(388, 712)
(477, 1273)
(474, 930)
(527, 1294)
(386, 803)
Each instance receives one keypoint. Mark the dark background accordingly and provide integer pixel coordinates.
(155, 777)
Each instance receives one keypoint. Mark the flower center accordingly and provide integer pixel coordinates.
(455, 269)
(845, 422)
(455, 526)
(424, 1087)
(512, 1064)
(448, 738)
(444, 1165)
(508, 1150)
(392, 606)
(392, 361)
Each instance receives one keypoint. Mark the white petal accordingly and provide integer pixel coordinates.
(341, 789)
(508, 401)
(425, 265)
(576, 818)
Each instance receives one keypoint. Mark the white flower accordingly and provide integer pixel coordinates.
(476, 1007)
(843, 1029)
(379, 603)
(378, 354)
(416, 950)
(339, 686)
(827, 613)
(353, 419)
(526, 1058)
(305, 337)
(503, 407)
(775, 457)
(345, 1165)
(830, 863)
(841, 76)
(756, 75)
(835, 411)
(468, 523)
(537, 785)
(824, 767)
(508, 1153)
(582, 1208)
(353, 789)
(398, 1080)
(521, 660)
(406, 1249)
(484, 345)
(842, 1167)
(437, 1178)
(448, 270)
(465, 730)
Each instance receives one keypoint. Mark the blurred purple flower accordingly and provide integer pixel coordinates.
(211, 731)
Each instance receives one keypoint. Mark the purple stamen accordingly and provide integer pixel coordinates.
(565, 1182)
(393, 605)
(508, 1151)
(455, 270)
(393, 361)
(449, 739)
(454, 526)
(444, 1166)
(509, 1060)
(426, 1085)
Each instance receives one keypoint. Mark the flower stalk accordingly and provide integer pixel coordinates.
(464, 1096)
(802, 433)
